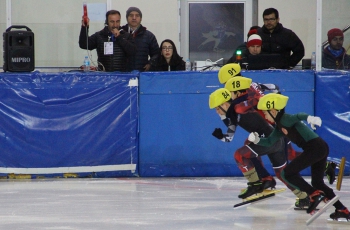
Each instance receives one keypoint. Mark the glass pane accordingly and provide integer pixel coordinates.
(335, 19)
(2, 28)
(215, 30)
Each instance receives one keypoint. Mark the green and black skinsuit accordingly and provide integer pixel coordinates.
(315, 152)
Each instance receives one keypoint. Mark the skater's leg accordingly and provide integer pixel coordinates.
(266, 178)
(291, 152)
(317, 172)
(330, 171)
(247, 157)
(279, 162)
(254, 184)
(312, 156)
(259, 167)
(291, 173)
(243, 157)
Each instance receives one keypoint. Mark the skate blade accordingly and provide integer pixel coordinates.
(249, 202)
(339, 221)
(304, 209)
(264, 193)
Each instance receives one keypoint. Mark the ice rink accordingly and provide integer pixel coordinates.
(150, 203)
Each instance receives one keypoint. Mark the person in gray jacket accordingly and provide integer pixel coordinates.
(146, 43)
(114, 46)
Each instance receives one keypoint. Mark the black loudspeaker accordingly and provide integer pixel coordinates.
(18, 47)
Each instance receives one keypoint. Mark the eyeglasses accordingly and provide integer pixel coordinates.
(269, 19)
(167, 48)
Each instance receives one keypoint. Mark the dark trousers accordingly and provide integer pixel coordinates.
(314, 155)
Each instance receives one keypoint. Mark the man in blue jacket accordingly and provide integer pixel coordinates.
(146, 43)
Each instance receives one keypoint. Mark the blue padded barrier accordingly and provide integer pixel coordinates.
(332, 104)
(82, 124)
(176, 122)
(87, 123)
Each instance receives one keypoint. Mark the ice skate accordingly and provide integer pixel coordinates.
(268, 182)
(302, 204)
(315, 199)
(315, 214)
(330, 171)
(340, 214)
(253, 188)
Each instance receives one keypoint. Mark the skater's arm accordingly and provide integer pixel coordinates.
(290, 120)
(270, 87)
(246, 106)
(270, 140)
(231, 129)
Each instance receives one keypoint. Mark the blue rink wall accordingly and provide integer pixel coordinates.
(145, 124)
(68, 124)
(176, 122)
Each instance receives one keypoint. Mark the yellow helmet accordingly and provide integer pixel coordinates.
(219, 97)
(238, 83)
(228, 71)
(272, 101)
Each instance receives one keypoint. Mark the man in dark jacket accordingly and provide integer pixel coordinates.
(277, 39)
(146, 43)
(114, 46)
(334, 56)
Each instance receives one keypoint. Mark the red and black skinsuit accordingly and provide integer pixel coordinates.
(255, 92)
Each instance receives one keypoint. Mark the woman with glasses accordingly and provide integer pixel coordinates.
(168, 59)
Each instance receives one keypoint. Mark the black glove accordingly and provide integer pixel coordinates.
(218, 133)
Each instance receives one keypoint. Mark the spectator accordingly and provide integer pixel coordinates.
(168, 58)
(334, 55)
(146, 43)
(253, 44)
(277, 39)
(243, 47)
(121, 44)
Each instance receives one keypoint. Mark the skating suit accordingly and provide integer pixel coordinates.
(315, 152)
